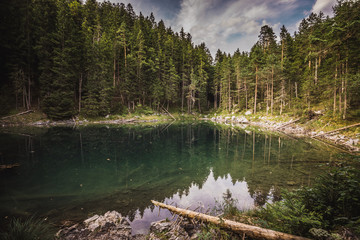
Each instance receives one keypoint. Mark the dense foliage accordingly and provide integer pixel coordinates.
(69, 57)
(333, 201)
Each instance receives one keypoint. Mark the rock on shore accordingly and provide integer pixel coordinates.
(291, 128)
(112, 225)
(109, 226)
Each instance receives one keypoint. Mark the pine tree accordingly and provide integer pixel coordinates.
(256, 56)
(59, 102)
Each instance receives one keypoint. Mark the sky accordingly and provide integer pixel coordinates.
(229, 24)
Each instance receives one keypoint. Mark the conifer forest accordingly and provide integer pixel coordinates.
(71, 57)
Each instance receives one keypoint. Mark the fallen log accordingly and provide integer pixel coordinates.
(286, 124)
(334, 145)
(251, 231)
(169, 113)
(18, 114)
(339, 129)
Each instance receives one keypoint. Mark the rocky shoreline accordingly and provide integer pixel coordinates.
(291, 128)
(287, 127)
(112, 225)
(84, 122)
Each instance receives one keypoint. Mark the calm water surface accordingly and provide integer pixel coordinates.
(70, 173)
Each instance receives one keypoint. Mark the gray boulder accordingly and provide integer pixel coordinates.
(109, 226)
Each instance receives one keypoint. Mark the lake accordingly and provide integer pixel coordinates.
(70, 173)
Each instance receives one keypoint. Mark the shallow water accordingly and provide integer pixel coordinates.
(70, 173)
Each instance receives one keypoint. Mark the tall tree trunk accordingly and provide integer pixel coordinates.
(80, 85)
(267, 98)
(114, 77)
(290, 93)
(345, 90)
(29, 94)
(246, 95)
(336, 73)
(220, 98)
(272, 89)
(125, 66)
(16, 100)
(182, 93)
(238, 92)
(282, 54)
(189, 102)
(24, 97)
(125, 53)
(342, 89)
(238, 84)
(256, 85)
(215, 97)
(199, 105)
(282, 95)
(316, 71)
(28, 66)
(118, 73)
(229, 90)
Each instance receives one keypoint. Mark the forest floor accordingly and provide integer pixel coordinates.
(317, 126)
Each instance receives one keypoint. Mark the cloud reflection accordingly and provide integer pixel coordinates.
(197, 198)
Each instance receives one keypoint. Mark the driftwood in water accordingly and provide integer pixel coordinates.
(18, 114)
(339, 129)
(286, 124)
(251, 231)
(9, 166)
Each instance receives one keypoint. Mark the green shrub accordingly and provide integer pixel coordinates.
(143, 110)
(336, 195)
(333, 201)
(289, 215)
(29, 229)
(227, 207)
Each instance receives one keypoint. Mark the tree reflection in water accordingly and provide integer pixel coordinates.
(70, 173)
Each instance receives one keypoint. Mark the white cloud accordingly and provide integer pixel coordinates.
(324, 6)
(230, 24)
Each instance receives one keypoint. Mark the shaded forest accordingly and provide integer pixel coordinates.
(68, 57)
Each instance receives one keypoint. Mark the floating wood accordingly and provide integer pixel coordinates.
(286, 124)
(18, 114)
(339, 129)
(9, 166)
(251, 231)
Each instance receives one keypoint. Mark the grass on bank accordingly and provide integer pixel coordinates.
(28, 229)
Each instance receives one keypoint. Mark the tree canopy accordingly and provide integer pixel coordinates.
(67, 57)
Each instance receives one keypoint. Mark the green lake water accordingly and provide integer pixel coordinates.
(68, 174)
